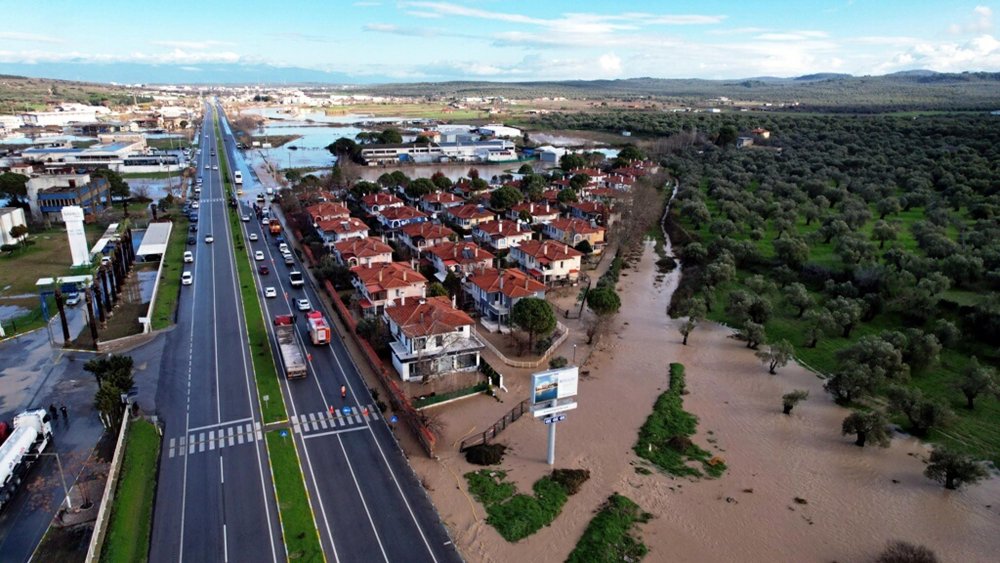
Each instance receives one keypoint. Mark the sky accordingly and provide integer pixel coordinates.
(510, 40)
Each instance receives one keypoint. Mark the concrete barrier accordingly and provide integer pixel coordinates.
(104, 514)
(564, 334)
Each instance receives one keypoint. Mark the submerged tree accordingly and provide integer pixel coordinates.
(867, 426)
(777, 355)
(954, 469)
(792, 398)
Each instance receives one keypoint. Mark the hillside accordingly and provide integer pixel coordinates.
(18, 93)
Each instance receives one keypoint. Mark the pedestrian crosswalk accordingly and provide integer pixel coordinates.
(334, 419)
(217, 437)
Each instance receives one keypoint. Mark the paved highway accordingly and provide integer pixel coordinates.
(369, 506)
(215, 500)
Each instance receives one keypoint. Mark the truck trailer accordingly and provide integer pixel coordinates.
(31, 435)
(319, 330)
(291, 352)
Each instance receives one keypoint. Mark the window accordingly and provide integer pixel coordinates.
(419, 344)
(439, 341)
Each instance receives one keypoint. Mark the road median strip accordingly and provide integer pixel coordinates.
(294, 511)
(131, 521)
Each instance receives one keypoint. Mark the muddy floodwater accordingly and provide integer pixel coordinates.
(796, 489)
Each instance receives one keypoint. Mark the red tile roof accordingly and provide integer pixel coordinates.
(427, 231)
(401, 213)
(548, 250)
(442, 197)
(574, 225)
(342, 226)
(511, 282)
(381, 198)
(469, 212)
(387, 275)
(463, 252)
(327, 211)
(362, 248)
(434, 316)
(501, 228)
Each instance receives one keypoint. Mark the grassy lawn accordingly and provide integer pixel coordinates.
(297, 524)
(128, 533)
(150, 175)
(664, 438)
(610, 537)
(265, 369)
(173, 265)
(517, 516)
(167, 144)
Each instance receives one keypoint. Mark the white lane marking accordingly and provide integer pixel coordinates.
(363, 502)
(225, 423)
(222, 474)
(333, 432)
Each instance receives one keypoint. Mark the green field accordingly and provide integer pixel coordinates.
(514, 515)
(297, 524)
(168, 144)
(150, 175)
(129, 527)
(610, 537)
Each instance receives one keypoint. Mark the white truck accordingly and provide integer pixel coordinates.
(31, 435)
(291, 352)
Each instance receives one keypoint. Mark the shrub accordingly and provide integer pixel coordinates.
(558, 362)
(903, 552)
(485, 454)
(571, 479)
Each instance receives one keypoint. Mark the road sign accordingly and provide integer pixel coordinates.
(540, 412)
(284, 433)
(394, 419)
(346, 410)
(554, 419)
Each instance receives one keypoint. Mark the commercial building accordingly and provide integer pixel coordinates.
(48, 194)
(499, 130)
(64, 115)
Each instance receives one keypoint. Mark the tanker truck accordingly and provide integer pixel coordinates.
(31, 435)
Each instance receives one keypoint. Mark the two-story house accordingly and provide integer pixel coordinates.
(533, 213)
(548, 261)
(572, 231)
(392, 219)
(494, 292)
(592, 211)
(439, 201)
(461, 258)
(421, 236)
(383, 285)
(327, 211)
(467, 216)
(374, 203)
(431, 338)
(341, 229)
(501, 235)
(362, 252)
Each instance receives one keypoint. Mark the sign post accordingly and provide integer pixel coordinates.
(553, 392)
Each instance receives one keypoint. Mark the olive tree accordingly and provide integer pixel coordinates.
(846, 313)
(777, 355)
(799, 297)
(792, 398)
(867, 426)
(922, 414)
(954, 469)
(753, 333)
(977, 379)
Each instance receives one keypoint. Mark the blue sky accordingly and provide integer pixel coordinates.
(513, 40)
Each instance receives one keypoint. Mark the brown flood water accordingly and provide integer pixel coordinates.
(857, 499)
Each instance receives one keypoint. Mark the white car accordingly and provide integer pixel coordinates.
(188, 257)
(73, 299)
(105, 260)
(209, 239)
(215, 167)
(197, 190)
(207, 166)
(195, 205)
(283, 248)
(303, 304)
(259, 255)
(187, 278)
(265, 221)
(245, 218)
(270, 292)
(253, 237)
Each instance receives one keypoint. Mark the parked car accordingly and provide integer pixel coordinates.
(265, 221)
(193, 228)
(73, 299)
(253, 237)
(188, 256)
(187, 278)
(245, 218)
(263, 270)
(283, 248)
(303, 304)
(192, 240)
(259, 255)
(270, 292)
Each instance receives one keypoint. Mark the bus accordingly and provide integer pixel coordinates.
(238, 178)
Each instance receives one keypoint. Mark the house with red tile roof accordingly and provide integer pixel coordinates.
(439, 201)
(494, 292)
(394, 218)
(591, 211)
(501, 235)
(373, 203)
(431, 338)
(421, 236)
(458, 257)
(547, 261)
(537, 212)
(327, 211)
(467, 216)
(337, 230)
(362, 252)
(572, 231)
(383, 285)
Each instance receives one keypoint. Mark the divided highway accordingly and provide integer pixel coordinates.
(215, 499)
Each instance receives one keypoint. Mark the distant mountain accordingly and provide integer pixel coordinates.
(821, 76)
(211, 73)
(915, 72)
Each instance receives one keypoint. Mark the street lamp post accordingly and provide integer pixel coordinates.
(574, 354)
(62, 477)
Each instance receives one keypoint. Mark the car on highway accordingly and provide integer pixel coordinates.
(187, 278)
(245, 218)
(73, 299)
(263, 269)
(215, 167)
(253, 237)
(195, 205)
(283, 248)
(207, 166)
(303, 305)
(270, 292)
(259, 255)
(289, 260)
(188, 256)
(209, 239)
(192, 240)
(197, 190)
(265, 221)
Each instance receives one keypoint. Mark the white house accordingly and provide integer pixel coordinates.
(459, 257)
(501, 235)
(494, 292)
(421, 236)
(337, 230)
(386, 284)
(431, 338)
(362, 252)
(547, 261)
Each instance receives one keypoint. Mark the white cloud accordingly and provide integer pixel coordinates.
(610, 63)
(176, 56)
(194, 45)
(32, 37)
(792, 36)
(981, 22)
(980, 53)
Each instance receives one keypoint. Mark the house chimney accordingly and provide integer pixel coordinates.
(404, 275)
(500, 228)
(380, 275)
(501, 281)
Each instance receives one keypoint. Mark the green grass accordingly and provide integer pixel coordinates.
(170, 143)
(610, 537)
(130, 524)
(173, 265)
(265, 369)
(297, 524)
(150, 175)
(516, 516)
(670, 421)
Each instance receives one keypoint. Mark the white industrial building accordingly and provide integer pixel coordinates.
(64, 115)
(500, 131)
(496, 150)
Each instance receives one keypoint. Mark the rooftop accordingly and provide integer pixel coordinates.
(426, 317)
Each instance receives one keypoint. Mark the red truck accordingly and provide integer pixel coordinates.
(319, 330)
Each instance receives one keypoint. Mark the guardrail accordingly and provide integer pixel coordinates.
(104, 513)
(564, 334)
(497, 427)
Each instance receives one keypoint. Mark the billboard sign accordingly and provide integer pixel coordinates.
(553, 384)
